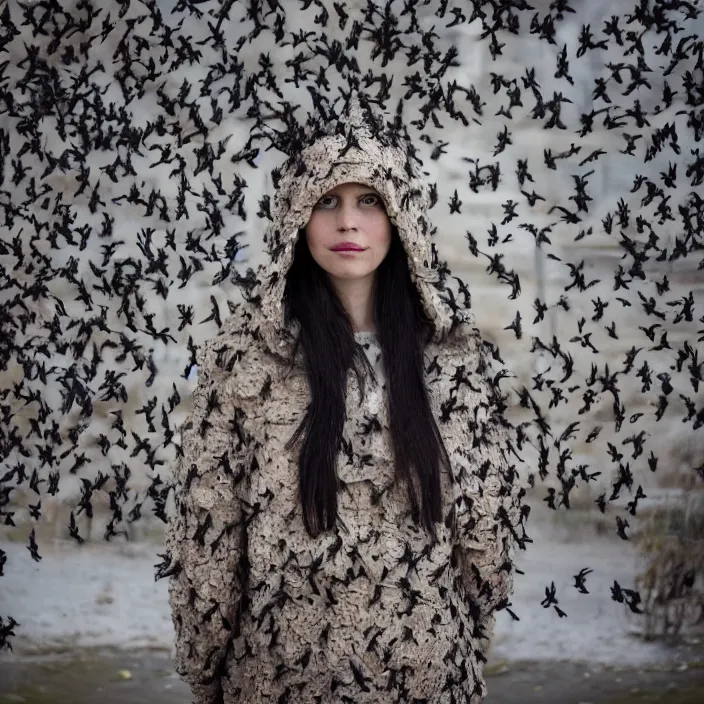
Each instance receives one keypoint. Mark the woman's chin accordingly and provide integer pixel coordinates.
(349, 273)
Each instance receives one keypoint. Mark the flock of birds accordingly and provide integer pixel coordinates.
(120, 191)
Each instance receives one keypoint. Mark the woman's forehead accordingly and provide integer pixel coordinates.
(352, 186)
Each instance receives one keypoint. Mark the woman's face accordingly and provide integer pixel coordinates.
(350, 212)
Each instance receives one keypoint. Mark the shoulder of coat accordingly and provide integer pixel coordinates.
(465, 347)
(236, 357)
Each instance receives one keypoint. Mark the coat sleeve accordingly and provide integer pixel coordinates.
(205, 534)
(487, 498)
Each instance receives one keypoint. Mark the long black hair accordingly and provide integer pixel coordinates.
(329, 350)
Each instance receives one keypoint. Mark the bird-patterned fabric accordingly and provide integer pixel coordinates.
(373, 610)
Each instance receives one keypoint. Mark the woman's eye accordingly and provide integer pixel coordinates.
(369, 199)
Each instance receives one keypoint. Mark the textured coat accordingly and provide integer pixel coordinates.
(371, 611)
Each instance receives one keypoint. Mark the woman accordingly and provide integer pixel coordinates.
(346, 522)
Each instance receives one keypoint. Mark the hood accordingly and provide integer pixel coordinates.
(360, 146)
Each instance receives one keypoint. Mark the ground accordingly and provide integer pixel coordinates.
(146, 677)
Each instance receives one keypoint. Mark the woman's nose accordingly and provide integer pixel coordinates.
(347, 216)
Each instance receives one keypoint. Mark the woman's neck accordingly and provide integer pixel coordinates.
(357, 297)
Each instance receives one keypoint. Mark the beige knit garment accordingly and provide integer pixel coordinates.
(370, 611)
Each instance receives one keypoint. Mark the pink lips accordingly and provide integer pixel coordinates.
(348, 247)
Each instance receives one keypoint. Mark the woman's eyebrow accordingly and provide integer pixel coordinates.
(359, 194)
